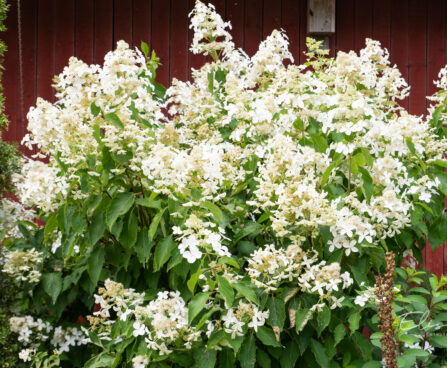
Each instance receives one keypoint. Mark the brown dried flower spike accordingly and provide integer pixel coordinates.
(385, 297)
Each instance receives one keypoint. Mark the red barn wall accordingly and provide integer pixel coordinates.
(414, 31)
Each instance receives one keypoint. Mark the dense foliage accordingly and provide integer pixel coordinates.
(223, 222)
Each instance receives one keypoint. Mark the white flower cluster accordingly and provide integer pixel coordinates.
(367, 295)
(113, 104)
(39, 184)
(11, 212)
(246, 314)
(162, 321)
(198, 235)
(22, 265)
(210, 34)
(269, 268)
(32, 333)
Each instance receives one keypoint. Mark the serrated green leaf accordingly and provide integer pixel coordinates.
(277, 313)
(119, 206)
(226, 290)
(163, 252)
(246, 291)
(439, 341)
(354, 320)
(196, 305)
(52, 284)
(155, 222)
(114, 119)
(95, 262)
(339, 333)
(95, 110)
(267, 336)
(319, 353)
(247, 355)
(323, 319)
(215, 210)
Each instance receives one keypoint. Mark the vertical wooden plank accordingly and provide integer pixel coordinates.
(362, 23)
(436, 50)
(161, 36)
(179, 41)
(290, 17)
(11, 73)
(344, 38)
(84, 20)
(271, 17)
(235, 14)
(64, 36)
(103, 41)
(253, 26)
(220, 7)
(46, 49)
(122, 22)
(303, 30)
(382, 22)
(141, 26)
(29, 12)
(399, 38)
(417, 18)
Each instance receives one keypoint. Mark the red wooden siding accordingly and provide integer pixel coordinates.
(414, 31)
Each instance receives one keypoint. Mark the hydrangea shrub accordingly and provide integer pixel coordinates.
(223, 222)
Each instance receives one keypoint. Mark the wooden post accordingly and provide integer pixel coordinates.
(321, 17)
(321, 20)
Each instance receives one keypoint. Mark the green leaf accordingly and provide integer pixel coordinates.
(319, 353)
(417, 352)
(196, 305)
(339, 333)
(436, 231)
(226, 359)
(205, 358)
(373, 364)
(320, 143)
(277, 315)
(363, 344)
(52, 284)
(323, 319)
(206, 317)
(119, 206)
(143, 247)
(50, 226)
(290, 355)
(95, 263)
(367, 183)
(267, 336)
(145, 48)
(439, 341)
(129, 234)
(327, 173)
(354, 320)
(301, 318)
(191, 283)
(215, 211)
(226, 290)
(96, 228)
(115, 120)
(154, 224)
(163, 252)
(442, 163)
(247, 356)
(263, 359)
(95, 110)
(246, 291)
(250, 228)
